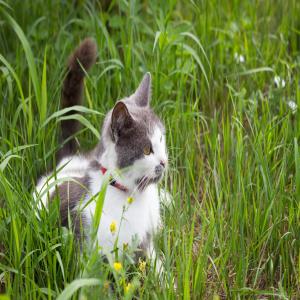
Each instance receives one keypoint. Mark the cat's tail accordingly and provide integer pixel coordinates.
(80, 61)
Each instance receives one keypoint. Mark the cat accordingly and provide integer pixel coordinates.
(131, 155)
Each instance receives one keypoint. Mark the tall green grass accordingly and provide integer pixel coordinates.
(233, 229)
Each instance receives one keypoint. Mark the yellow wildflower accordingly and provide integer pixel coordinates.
(142, 265)
(128, 287)
(117, 266)
(129, 200)
(113, 227)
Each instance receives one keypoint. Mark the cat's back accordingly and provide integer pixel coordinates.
(71, 169)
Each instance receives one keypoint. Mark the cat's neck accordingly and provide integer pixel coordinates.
(123, 180)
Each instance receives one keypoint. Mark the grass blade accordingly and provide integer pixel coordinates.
(75, 285)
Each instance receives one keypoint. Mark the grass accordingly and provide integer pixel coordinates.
(234, 227)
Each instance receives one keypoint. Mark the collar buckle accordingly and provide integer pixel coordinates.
(113, 182)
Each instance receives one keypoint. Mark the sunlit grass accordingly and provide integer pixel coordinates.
(233, 137)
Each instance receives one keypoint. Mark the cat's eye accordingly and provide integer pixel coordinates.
(147, 150)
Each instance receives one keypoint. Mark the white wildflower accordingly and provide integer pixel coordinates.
(293, 106)
(239, 58)
(279, 82)
(283, 83)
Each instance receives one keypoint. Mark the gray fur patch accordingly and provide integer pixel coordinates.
(143, 248)
(70, 194)
(130, 145)
(142, 95)
(95, 165)
(132, 139)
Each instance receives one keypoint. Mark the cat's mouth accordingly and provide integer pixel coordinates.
(144, 181)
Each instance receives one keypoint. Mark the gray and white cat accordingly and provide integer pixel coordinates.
(132, 153)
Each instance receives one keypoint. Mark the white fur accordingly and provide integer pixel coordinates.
(133, 220)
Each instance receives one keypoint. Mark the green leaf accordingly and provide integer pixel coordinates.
(83, 121)
(98, 210)
(29, 56)
(63, 111)
(44, 98)
(17, 149)
(253, 71)
(157, 35)
(194, 38)
(26, 110)
(75, 285)
(193, 53)
(5, 162)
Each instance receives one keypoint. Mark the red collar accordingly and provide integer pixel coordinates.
(113, 182)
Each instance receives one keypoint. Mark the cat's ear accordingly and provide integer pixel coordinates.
(120, 119)
(142, 95)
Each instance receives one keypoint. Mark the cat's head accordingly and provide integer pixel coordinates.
(133, 138)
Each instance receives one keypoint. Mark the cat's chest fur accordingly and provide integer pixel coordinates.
(134, 218)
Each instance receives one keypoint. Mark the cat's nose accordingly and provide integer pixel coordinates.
(159, 169)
